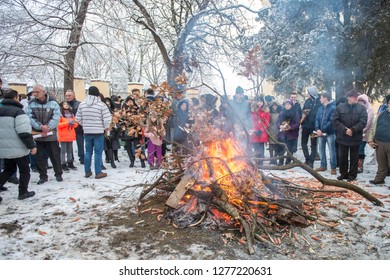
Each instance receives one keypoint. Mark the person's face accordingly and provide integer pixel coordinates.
(129, 102)
(323, 100)
(352, 99)
(65, 106)
(260, 103)
(274, 107)
(38, 93)
(287, 106)
(69, 95)
(183, 106)
(293, 98)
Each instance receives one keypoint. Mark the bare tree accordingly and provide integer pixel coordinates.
(183, 29)
(49, 33)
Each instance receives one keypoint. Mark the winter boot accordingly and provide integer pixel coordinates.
(360, 165)
(115, 152)
(107, 158)
(64, 167)
(71, 166)
(131, 156)
(111, 158)
(25, 195)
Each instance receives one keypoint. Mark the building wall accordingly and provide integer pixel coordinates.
(19, 87)
(103, 86)
(79, 88)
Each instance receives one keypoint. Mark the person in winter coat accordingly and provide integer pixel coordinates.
(70, 96)
(225, 117)
(131, 131)
(309, 111)
(326, 133)
(288, 124)
(111, 139)
(182, 123)
(349, 119)
(363, 100)
(66, 136)
(260, 122)
(16, 143)
(95, 118)
(379, 139)
(44, 113)
(273, 131)
(241, 113)
(155, 131)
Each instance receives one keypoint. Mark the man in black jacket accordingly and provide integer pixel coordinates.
(349, 119)
(74, 104)
(309, 111)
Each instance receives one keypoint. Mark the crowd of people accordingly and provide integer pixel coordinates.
(41, 131)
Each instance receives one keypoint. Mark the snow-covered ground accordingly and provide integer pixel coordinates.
(89, 219)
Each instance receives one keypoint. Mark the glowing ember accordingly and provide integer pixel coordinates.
(222, 163)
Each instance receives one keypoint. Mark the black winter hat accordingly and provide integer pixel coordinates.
(94, 91)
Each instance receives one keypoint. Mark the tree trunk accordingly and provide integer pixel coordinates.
(74, 43)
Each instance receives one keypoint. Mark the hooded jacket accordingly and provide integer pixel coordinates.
(93, 115)
(67, 132)
(260, 122)
(363, 99)
(15, 130)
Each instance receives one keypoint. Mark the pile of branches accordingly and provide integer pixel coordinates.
(260, 205)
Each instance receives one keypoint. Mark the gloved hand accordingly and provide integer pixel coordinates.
(71, 122)
(258, 132)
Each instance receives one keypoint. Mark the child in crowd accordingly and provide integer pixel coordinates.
(155, 131)
(66, 136)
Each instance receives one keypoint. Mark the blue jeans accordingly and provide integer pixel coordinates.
(362, 147)
(94, 143)
(331, 140)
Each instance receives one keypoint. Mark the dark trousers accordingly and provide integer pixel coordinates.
(348, 155)
(383, 159)
(24, 172)
(309, 157)
(132, 147)
(53, 150)
(80, 146)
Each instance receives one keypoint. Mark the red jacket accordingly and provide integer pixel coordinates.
(66, 132)
(260, 120)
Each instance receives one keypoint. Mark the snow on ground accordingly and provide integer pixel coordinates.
(85, 218)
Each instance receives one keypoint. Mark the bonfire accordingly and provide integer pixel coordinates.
(220, 185)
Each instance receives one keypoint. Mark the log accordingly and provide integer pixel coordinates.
(185, 184)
